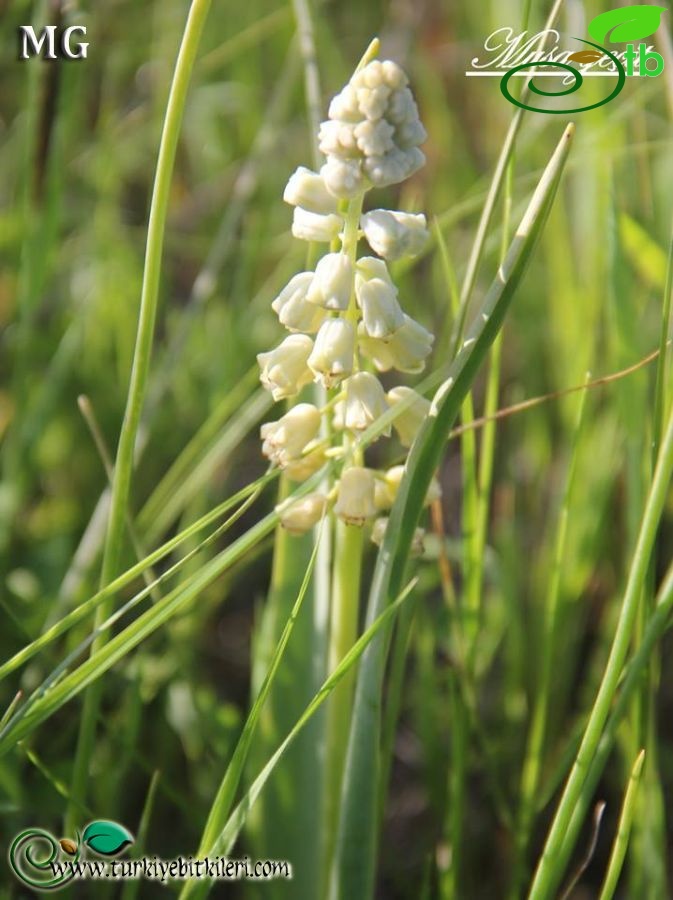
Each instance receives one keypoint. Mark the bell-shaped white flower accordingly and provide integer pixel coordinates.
(306, 465)
(307, 189)
(355, 501)
(286, 439)
(394, 234)
(332, 283)
(388, 485)
(332, 356)
(301, 515)
(292, 307)
(406, 350)
(310, 226)
(417, 542)
(284, 369)
(365, 402)
(377, 298)
(415, 410)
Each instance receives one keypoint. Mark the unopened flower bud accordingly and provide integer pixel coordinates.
(293, 309)
(310, 226)
(332, 283)
(343, 177)
(365, 401)
(301, 515)
(417, 542)
(307, 189)
(377, 298)
(332, 355)
(285, 439)
(394, 234)
(408, 422)
(355, 502)
(284, 369)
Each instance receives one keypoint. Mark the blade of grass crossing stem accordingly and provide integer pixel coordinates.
(623, 831)
(353, 870)
(141, 362)
(226, 795)
(233, 826)
(224, 799)
(549, 868)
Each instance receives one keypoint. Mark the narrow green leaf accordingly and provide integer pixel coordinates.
(354, 863)
(621, 841)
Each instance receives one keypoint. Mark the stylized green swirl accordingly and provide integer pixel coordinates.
(22, 859)
(577, 75)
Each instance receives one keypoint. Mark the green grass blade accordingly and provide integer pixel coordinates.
(621, 841)
(145, 625)
(225, 796)
(84, 609)
(549, 869)
(353, 871)
(237, 819)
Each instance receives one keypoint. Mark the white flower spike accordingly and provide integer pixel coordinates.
(370, 139)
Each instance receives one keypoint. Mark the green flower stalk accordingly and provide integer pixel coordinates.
(347, 325)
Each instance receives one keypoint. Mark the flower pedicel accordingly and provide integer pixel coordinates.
(346, 315)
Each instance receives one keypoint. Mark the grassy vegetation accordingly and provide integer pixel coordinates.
(165, 657)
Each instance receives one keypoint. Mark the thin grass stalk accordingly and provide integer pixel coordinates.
(226, 794)
(535, 745)
(549, 869)
(139, 372)
(621, 841)
(657, 626)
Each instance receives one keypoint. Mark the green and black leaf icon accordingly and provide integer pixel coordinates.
(629, 23)
(106, 838)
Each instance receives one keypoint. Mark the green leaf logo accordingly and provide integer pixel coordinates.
(631, 23)
(106, 838)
